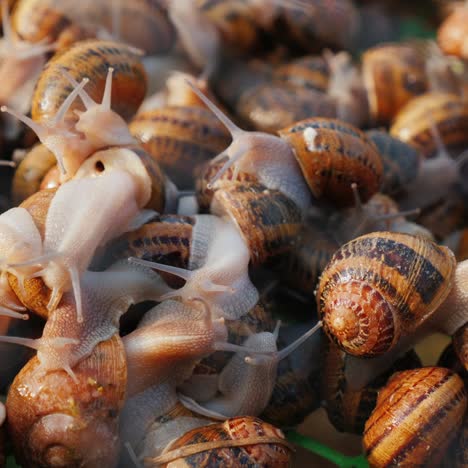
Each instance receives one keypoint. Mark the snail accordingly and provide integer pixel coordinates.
(393, 74)
(246, 383)
(222, 279)
(333, 155)
(55, 421)
(411, 283)
(268, 157)
(101, 126)
(424, 118)
(236, 441)
(22, 62)
(66, 252)
(180, 138)
(425, 408)
(401, 162)
(348, 410)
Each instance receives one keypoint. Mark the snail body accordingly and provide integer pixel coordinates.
(452, 33)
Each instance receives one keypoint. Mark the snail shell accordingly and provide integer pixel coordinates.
(267, 219)
(309, 72)
(180, 138)
(393, 75)
(447, 112)
(236, 442)
(55, 421)
(39, 20)
(333, 155)
(272, 106)
(91, 59)
(30, 173)
(304, 264)
(424, 409)
(381, 286)
(400, 161)
(349, 409)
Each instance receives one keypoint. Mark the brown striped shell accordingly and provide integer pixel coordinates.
(418, 414)
(179, 139)
(267, 219)
(333, 155)
(393, 75)
(447, 112)
(237, 442)
(39, 20)
(271, 106)
(452, 35)
(381, 286)
(401, 161)
(304, 264)
(30, 173)
(91, 59)
(349, 409)
(310, 71)
(55, 421)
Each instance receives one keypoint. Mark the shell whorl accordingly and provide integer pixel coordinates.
(380, 286)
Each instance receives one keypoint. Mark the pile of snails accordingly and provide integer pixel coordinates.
(217, 221)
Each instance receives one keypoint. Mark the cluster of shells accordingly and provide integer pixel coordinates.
(227, 223)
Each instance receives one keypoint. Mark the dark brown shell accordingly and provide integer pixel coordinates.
(180, 138)
(333, 155)
(30, 173)
(381, 286)
(303, 265)
(54, 421)
(447, 112)
(348, 410)
(91, 59)
(272, 106)
(400, 161)
(268, 220)
(393, 75)
(417, 415)
(237, 442)
(460, 345)
(206, 173)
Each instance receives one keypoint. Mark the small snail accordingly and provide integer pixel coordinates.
(424, 409)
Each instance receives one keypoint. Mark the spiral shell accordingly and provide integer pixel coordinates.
(267, 219)
(55, 421)
(415, 121)
(424, 409)
(236, 442)
(348, 410)
(393, 75)
(333, 155)
(180, 138)
(30, 173)
(381, 286)
(91, 59)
